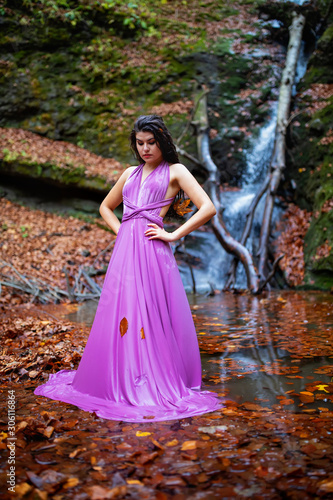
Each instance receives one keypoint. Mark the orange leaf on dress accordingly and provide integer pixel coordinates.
(180, 207)
(123, 327)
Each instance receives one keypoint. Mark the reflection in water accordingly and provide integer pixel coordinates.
(271, 349)
(265, 350)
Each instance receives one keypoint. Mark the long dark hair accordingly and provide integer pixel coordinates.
(156, 125)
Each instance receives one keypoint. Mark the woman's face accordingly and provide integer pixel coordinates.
(148, 148)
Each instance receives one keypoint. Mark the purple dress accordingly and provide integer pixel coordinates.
(142, 357)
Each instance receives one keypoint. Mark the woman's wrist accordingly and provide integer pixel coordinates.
(175, 235)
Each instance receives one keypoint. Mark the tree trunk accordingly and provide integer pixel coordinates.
(212, 187)
(278, 157)
(246, 231)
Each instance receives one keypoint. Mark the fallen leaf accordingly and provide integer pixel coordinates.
(123, 327)
(174, 442)
(189, 445)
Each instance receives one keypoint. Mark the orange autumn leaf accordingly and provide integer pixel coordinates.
(253, 406)
(326, 485)
(71, 482)
(48, 431)
(123, 327)
(306, 397)
(189, 445)
(285, 402)
(174, 442)
(22, 489)
(180, 207)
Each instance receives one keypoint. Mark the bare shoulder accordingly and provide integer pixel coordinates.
(126, 173)
(129, 170)
(178, 171)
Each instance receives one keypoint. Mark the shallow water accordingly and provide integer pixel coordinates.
(269, 357)
(266, 350)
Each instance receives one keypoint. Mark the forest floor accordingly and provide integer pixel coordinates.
(270, 360)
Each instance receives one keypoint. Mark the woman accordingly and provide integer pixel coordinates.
(142, 360)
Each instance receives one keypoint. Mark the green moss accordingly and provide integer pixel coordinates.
(86, 83)
(314, 189)
(222, 46)
(319, 233)
(320, 64)
(310, 165)
(76, 177)
(317, 280)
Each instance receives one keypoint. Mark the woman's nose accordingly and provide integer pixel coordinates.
(146, 147)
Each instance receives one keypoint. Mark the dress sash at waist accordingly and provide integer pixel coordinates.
(135, 212)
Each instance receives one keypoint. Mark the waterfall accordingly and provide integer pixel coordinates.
(213, 260)
(210, 261)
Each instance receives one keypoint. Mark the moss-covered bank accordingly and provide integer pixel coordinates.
(82, 71)
(29, 155)
(310, 157)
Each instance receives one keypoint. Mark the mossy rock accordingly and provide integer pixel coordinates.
(77, 82)
(320, 64)
(52, 174)
(310, 166)
(314, 176)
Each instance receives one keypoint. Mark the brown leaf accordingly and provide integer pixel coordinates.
(285, 402)
(123, 327)
(189, 445)
(180, 207)
(48, 431)
(22, 489)
(71, 482)
(100, 493)
(327, 485)
(174, 442)
(306, 397)
(76, 452)
(157, 444)
(148, 457)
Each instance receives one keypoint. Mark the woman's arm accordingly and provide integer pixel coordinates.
(112, 200)
(206, 210)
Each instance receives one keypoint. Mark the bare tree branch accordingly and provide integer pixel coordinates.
(278, 158)
(212, 187)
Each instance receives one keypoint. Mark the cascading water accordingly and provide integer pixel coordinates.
(210, 261)
(237, 203)
(214, 260)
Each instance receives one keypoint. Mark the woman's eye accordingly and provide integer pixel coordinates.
(150, 143)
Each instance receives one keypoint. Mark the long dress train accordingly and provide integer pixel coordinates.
(142, 357)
